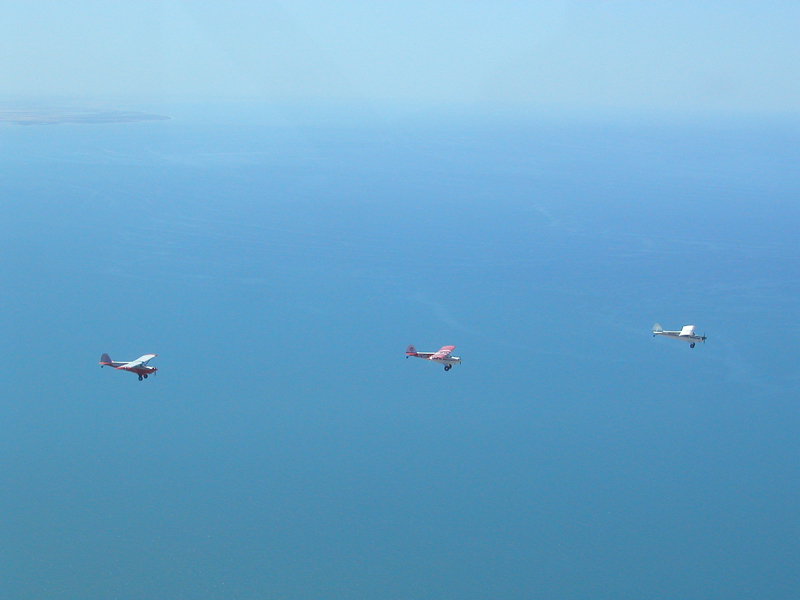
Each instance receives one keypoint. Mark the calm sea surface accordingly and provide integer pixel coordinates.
(286, 449)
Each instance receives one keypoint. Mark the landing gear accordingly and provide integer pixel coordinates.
(140, 377)
(691, 345)
(145, 375)
(448, 367)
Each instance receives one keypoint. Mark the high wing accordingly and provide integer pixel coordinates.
(443, 352)
(687, 331)
(139, 362)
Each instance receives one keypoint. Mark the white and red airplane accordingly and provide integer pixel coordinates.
(138, 366)
(441, 356)
(686, 334)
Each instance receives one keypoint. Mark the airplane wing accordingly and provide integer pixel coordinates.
(142, 360)
(443, 352)
(687, 330)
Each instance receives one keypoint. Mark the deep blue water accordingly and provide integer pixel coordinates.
(286, 449)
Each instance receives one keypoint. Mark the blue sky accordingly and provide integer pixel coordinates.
(582, 56)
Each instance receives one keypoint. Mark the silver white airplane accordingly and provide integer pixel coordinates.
(441, 356)
(138, 366)
(686, 334)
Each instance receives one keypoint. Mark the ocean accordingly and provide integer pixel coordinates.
(287, 449)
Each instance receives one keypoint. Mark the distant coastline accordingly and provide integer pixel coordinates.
(40, 116)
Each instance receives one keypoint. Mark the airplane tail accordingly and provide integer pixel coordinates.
(411, 351)
(657, 329)
(105, 359)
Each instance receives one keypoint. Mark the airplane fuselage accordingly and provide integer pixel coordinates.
(447, 360)
(142, 371)
(676, 335)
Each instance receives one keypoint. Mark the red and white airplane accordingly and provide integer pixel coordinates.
(441, 356)
(138, 366)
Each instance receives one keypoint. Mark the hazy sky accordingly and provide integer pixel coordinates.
(673, 56)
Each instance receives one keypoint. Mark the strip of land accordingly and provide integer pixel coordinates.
(56, 116)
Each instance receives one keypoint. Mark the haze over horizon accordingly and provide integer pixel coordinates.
(618, 57)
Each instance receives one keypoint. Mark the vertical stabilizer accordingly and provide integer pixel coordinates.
(411, 351)
(657, 329)
(105, 359)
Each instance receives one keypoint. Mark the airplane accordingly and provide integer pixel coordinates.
(686, 334)
(138, 366)
(441, 356)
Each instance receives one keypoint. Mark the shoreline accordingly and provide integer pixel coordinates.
(21, 116)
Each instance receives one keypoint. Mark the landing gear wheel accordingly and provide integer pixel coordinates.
(448, 367)
(140, 377)
(691, 345)
(145, 375)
